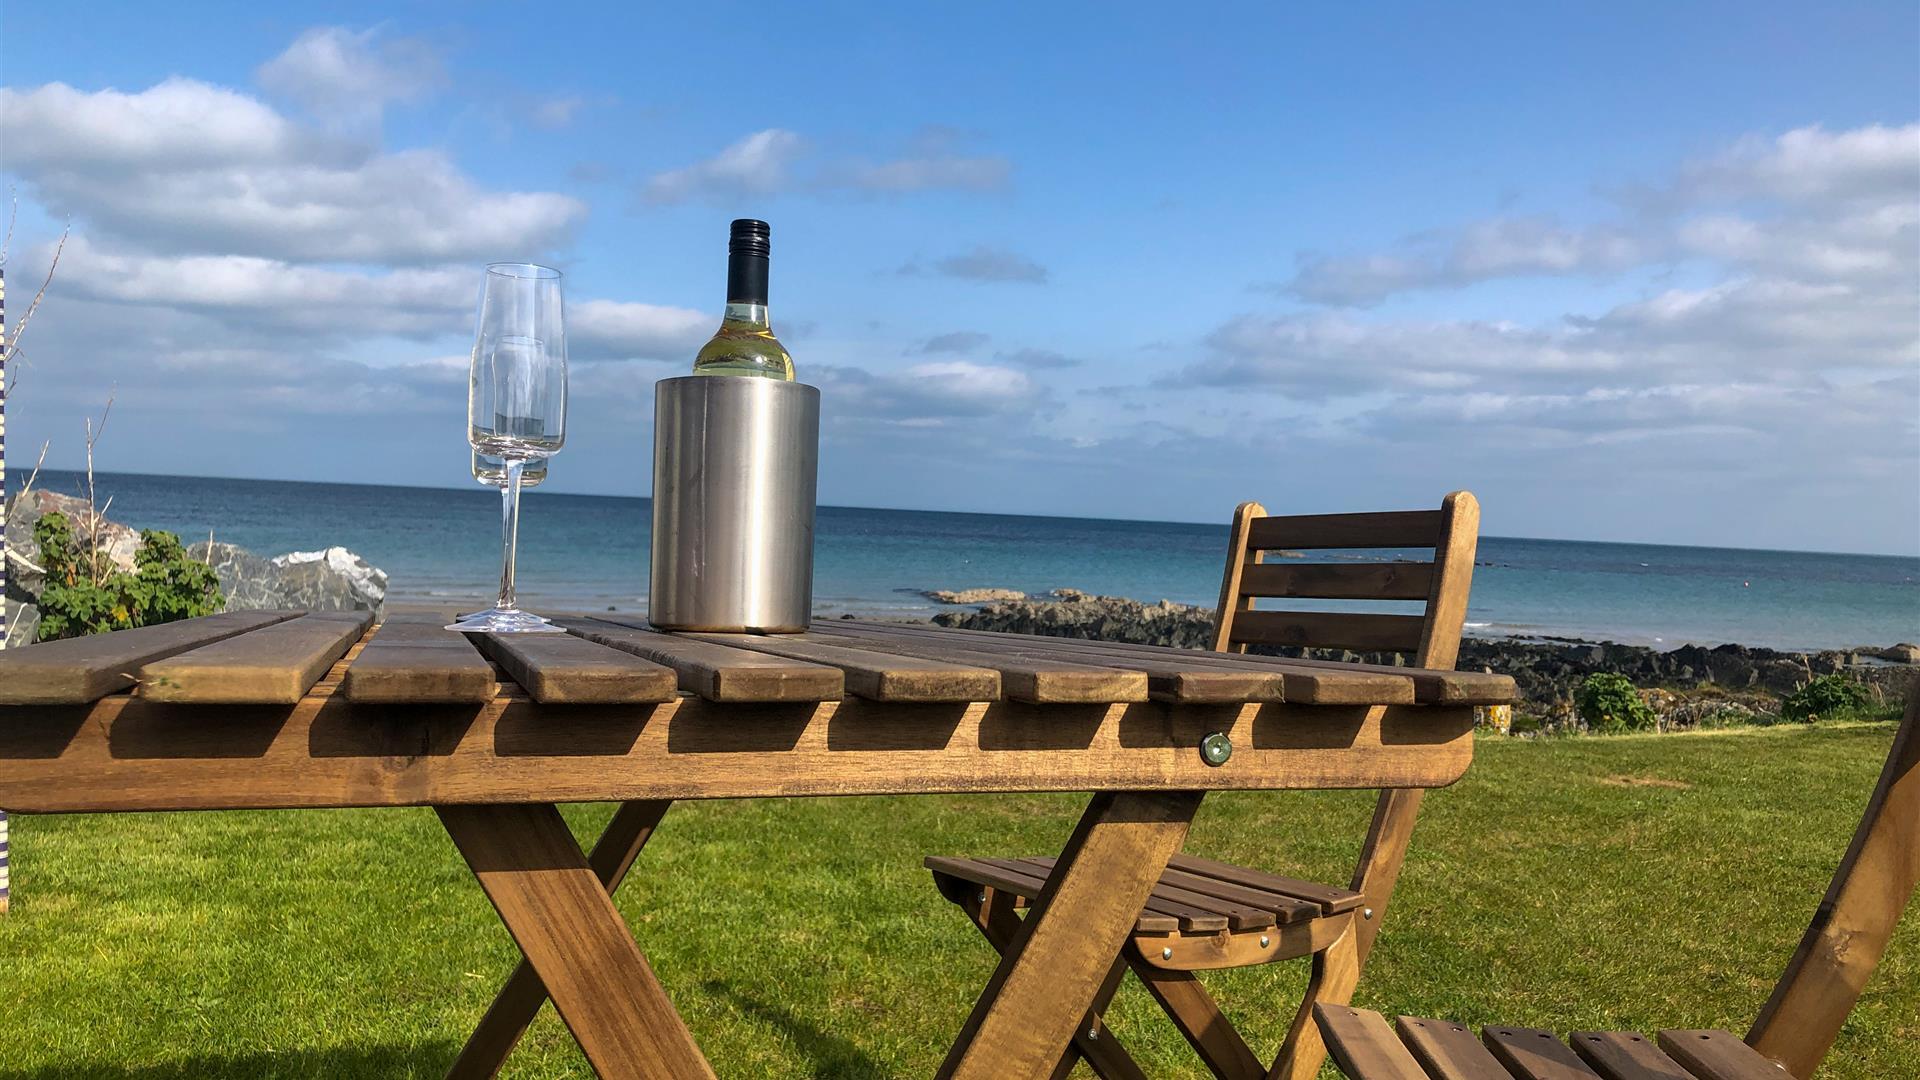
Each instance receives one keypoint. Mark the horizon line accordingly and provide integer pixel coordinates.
(921, 510)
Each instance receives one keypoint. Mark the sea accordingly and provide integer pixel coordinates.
(589, 553)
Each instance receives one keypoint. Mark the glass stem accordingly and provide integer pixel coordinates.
(509, 531)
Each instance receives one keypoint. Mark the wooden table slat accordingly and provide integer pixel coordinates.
(1626, 1055)
(78, 670)
(563, 669)
(1318, 682)
(1171, 675)
(880, 676)
(274, 665)
(1034, 677)
(415, 659)
(718, 672)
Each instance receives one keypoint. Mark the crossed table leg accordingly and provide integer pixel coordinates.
(1056, 970)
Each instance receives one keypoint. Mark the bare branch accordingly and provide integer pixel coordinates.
(20, 327)
(35, 474)
(13, 215)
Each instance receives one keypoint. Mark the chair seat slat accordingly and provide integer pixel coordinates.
(1364, 1046)
(1199, 911)
(1718, 1055)
(1449, 1051)
(1332, 901)
(1535, 1054)
(1625, 1055)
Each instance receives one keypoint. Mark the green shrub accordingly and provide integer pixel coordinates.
(1609, 704)
(83, 595)
(1825, 697)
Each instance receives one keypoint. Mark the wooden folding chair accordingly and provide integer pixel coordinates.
(1796, 1027)
(1207, 915)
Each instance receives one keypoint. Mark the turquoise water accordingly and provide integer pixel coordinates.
(585, 551)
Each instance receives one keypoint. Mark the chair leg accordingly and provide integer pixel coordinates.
(1336, 971)
(992, 912)
(1199, 1018)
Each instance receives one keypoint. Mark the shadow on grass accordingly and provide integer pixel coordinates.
(419, 1060)
(829, 1054)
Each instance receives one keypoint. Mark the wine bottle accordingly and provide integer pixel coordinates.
(744, 344)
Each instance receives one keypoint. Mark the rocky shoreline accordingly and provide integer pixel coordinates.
(1686, 684)
(333, 579)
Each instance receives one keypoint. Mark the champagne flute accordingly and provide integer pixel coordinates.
(492, 472)
(516, 408)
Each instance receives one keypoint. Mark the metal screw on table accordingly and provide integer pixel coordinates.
(983, 897)
(1216, 748)
(1263, 941)
(1366, 913)
(1166, 954)
(1093, 1031)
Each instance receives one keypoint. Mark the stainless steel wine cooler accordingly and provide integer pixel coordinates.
(735, 464)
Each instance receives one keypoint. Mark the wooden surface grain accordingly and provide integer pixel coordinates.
(414, 659)
(718, 672)
(559, 669)
(128, 753)
(79, 670)
(272, 665)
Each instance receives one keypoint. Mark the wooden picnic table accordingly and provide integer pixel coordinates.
(268, 710)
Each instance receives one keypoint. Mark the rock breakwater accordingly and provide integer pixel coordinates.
(1546, 670)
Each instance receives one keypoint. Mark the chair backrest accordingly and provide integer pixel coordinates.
(1433, 636)
(1851, 927)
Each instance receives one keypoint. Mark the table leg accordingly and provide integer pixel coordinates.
(1055, 967)
(523, 994)
(563, 920)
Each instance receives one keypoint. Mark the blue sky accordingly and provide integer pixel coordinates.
(1637, 272)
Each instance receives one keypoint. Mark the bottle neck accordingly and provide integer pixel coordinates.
(740, 312)
(746, 280)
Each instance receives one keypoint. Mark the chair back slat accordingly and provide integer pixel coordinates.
(1322, 581)
(1307, 532)
(1452, 532)
(1359, 631)
(1855, 920)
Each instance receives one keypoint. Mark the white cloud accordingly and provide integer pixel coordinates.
(929, 394)
(985, 263)
(1809, 202)
(755, 165)
(347, 78)
(253, 293)
(179, 123)
(767, 163)
(183, 166)
(617, 330)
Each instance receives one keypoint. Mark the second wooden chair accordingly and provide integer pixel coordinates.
(1208, 915)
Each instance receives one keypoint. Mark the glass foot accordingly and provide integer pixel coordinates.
(504, 621)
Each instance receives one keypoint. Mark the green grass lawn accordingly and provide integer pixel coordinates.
(1630, 882)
